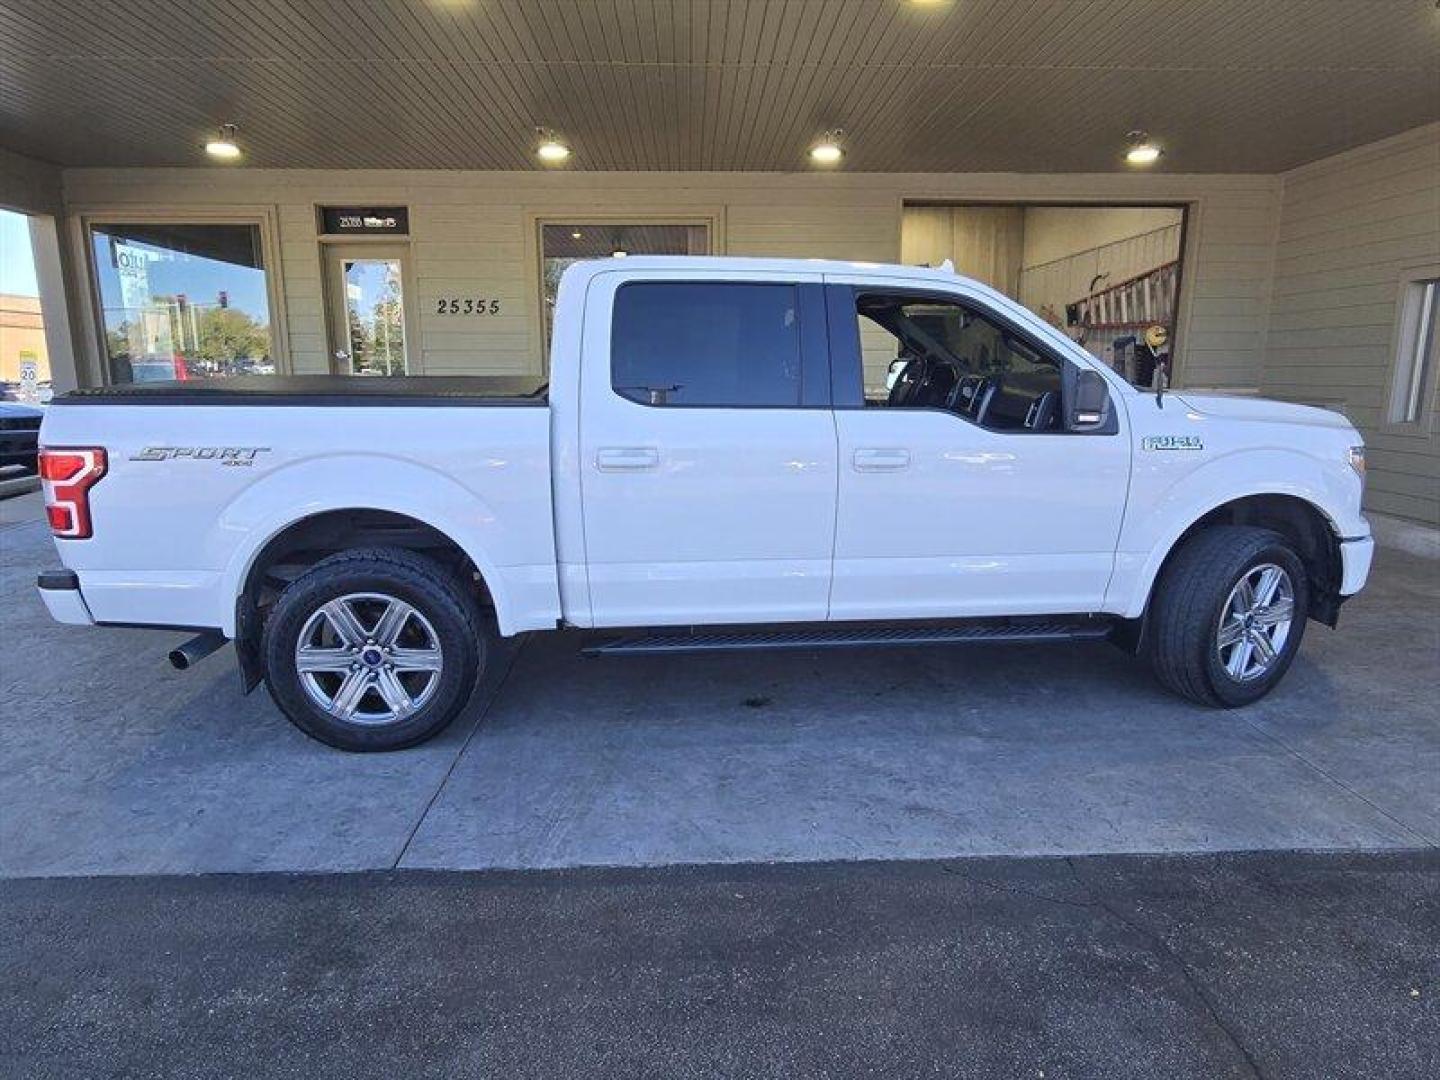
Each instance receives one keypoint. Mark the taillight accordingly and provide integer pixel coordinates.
(67, 473)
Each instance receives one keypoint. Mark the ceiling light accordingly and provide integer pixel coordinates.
(576, 235)
(223, 146)
(828, 150)
(551, 148)
(1143, 149)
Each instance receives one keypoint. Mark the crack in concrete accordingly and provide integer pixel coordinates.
(485, 708)
(1341, 784)
(1165, 952)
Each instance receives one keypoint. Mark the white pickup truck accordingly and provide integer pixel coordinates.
(730, 453)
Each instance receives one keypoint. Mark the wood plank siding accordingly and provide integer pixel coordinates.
(473, 233)
(1351, 229)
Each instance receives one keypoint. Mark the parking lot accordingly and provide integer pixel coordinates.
(112, 763)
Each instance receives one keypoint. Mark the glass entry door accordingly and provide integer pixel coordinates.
(367, 286)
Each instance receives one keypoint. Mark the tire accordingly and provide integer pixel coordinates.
(433, 649)
(1198, 638)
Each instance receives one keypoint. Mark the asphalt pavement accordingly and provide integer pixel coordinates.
(1273, 965)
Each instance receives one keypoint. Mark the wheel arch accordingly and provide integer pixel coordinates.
(283, 550)
(1310, 529)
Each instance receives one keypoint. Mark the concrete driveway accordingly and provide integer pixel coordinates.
(112, 763)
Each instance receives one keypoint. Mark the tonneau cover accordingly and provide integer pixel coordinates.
(321, 390)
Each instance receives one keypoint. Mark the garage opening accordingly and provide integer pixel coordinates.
(1108, 276)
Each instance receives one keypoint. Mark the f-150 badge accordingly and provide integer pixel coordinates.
(226, 455)
(1172, 442)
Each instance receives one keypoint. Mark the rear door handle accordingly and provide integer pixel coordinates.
(627, 458)
(877, 460)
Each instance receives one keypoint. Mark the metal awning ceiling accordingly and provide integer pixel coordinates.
(968, 85)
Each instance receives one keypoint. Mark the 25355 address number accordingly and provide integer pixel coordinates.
(466, 305)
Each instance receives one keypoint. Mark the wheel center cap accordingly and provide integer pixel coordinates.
(372, 657)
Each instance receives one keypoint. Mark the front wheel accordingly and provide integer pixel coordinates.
(374, 649)
(1228, 615)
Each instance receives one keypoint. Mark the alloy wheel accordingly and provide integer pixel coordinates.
(369, 658)
(1255, 622)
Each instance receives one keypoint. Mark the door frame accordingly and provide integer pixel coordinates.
(379, 247)
(605, 580)
(847, 367)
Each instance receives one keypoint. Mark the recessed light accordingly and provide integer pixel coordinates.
(1143, 150)
(223, 146)
(551, 148)
(828, 150)
(576, 235)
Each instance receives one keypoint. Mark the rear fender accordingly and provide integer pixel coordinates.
(360, 482)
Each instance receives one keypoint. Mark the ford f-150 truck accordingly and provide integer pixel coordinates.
(729, 453)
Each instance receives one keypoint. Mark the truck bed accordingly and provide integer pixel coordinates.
(323, 390)
(200, 475)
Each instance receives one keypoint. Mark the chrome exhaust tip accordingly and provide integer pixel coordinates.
(196, 649)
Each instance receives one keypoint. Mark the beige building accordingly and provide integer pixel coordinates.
(399, 217)
(22, 340)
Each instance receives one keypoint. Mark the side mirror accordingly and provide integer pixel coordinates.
(1090, 404)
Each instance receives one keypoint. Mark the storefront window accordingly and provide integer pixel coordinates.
(563, 244)
(182, 301)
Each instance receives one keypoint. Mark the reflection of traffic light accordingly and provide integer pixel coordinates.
(224, 299)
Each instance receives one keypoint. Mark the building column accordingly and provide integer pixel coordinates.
(68, 369)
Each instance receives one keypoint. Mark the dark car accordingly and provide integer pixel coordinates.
(19, 435)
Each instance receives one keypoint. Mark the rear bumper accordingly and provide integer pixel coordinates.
(60, 590)
(1356, 554)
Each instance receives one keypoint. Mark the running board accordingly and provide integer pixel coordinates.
(734, 639)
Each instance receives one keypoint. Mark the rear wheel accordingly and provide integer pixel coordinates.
(373, 650)
(1228, 615)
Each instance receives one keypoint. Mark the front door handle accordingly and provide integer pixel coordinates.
(878, 460)
(627, 458)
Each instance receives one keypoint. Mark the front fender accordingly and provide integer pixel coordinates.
(1167, 499)
(315, 485)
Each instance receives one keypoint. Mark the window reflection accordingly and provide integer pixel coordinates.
(182, 301)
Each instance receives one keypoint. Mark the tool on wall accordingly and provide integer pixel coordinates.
(1157, 342)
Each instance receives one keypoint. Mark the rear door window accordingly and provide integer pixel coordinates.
(716, 344)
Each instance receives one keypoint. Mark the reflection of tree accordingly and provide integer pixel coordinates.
(554, 269)
(387, 333)
(216, 340)
(117, 342)
(227, 338)
(359, 340)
